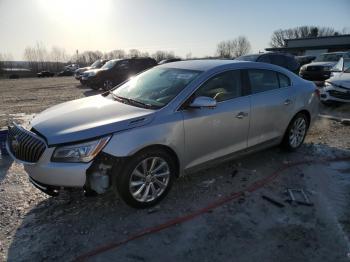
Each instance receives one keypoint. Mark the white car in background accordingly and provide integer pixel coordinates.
(337, 87)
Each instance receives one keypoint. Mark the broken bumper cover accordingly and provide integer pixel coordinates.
(56, 174)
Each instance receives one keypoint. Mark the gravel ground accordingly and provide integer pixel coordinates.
(35, 227)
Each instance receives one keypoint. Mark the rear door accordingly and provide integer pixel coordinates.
(272, 102)
(217, 132)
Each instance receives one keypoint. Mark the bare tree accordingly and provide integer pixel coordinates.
(241, 46)
(134, 53)
(114, 54)
(31, 58)
(88, 57)
(233, 48)
(58, 56)
(189, 55)
(278, 36)
(161, 55)
(42, 55)
(345, 30)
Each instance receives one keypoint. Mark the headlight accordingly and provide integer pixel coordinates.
(83, 152)
(92, 73)
(327, 85)
(302, 68)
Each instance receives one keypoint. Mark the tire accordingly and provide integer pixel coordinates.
(148, 190)
(296, 132)
(107, 85)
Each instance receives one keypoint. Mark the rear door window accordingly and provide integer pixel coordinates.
(284, 80)
(262, 80)
(124, 65)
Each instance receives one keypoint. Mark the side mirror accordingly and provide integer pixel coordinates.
(203, 101)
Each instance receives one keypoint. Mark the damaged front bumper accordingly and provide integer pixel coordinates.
(57, 174)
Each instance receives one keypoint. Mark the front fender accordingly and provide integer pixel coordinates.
(166, 130)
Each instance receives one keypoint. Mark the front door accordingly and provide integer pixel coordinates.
(217, 132)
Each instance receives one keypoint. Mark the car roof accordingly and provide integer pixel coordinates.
(199, 65)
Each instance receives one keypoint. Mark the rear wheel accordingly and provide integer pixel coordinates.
(296, 132)
(107, 85)
(146, 178)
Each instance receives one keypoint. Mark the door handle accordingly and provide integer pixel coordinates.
(287, 102)
(241, 115)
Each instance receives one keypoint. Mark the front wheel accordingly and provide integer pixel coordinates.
(296, 132)
(146, 178)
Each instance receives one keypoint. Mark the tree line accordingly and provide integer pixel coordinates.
(40, 58)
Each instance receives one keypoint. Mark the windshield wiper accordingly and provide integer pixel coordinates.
(132, 101)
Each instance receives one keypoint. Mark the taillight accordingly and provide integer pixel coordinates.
(317, 92)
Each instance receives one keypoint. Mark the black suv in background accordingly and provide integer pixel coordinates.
(115, 72)
(281, 59)
(95, 65)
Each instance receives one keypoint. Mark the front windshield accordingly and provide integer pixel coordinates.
(109, 64)
(97, 64)
(156, 87)
(328, 58)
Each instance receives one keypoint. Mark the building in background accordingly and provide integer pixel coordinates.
(314, 46)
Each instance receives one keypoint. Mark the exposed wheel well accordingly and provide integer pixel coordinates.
(168, 150)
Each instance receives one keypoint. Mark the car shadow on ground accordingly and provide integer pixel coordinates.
(64, 227)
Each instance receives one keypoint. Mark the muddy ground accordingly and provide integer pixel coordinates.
(35, 227)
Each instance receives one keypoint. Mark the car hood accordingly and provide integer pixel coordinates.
(95, 70)
(83, 69)
(322, 64)
(341, 80)
(88, 118)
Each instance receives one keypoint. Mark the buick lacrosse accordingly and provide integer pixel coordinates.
(165, 122)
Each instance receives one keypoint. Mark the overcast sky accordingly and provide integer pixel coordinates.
(182, 26)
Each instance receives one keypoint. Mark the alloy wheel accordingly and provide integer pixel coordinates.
(297, 132)
(108, 85)
(149, 179)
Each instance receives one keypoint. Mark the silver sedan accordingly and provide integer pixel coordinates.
(168, 121)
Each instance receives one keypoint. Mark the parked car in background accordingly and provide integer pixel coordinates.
(276, 58)
(71, 67)
(165, 122)
(95, 65)
(45, 74)
(306, 59)
(165, 61)
(337, 88)
(320, 68)
(65, 73)
(115, 72)
(342, 65)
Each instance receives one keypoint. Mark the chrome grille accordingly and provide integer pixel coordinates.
(24, 145)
